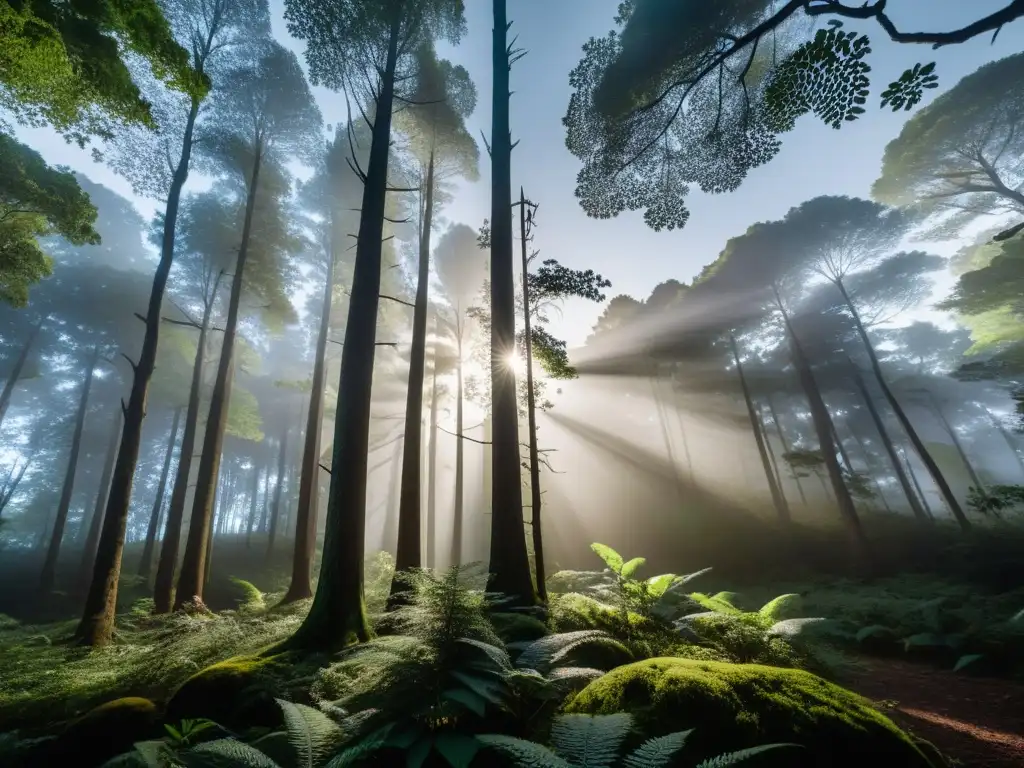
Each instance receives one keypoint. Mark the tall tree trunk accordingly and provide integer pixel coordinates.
(917, 486)
(487, 503)
(264, 526)
(435, 397)
(154, 518)
(509, 562)
(163, 593)
(19, 366)
(97, 624)
(771, 452)
(389, 532)
(49, 573)
(407, 555)
(933, 469)
(666, 437)
(785, 447)
(971, 472)
(455, 558)
(275, 514)
(531, 415)
(337, 616)
(95, 523)
(254, 492)
(193, 565)
(781, 507)
(823, 428)
(309, 486)
(890, 449)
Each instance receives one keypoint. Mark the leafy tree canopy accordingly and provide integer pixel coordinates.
(461, 265)
(36, 201)
(62, 63)
(961, 153)
(689, 92)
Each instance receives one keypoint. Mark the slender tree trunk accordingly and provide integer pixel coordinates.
(309, 486)
(933, 469)
(154, 518)
(785, 447)
(509, 562)
(49, 574)
(781, 507)
(666, 438)
(823, 428)
(971, 472)
(389, 533)
(163, 593)
(96, 522)
(435, 397)
(337, 616)
(890, 449)
(275, 514)
(407, 554)
(97, 623)
(264, 526)
(193, 565)
(455, 557)
(254, 492)
(917, 487)
(19, 366)
(771, 451)
(536, 523)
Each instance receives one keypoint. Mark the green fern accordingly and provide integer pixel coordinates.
(311, 734)
(741, 756)
(543, 654)
(523, 753)
(658, 751)
(224, 753)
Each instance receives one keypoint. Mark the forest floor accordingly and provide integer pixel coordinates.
(977, 721)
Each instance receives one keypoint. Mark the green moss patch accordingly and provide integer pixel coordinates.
(103, 732)
(235, 692)
(733, 706)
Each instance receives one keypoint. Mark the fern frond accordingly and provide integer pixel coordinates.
(525, 754)
(590, 741)
(495, 653)
(311, 734)
(358, 752)
(490, 690)
(656, 753)
(715, 602)
(774, 609)
(631, 567)
(741, 756)
(225, 753)
(543, 653)
(611, 558)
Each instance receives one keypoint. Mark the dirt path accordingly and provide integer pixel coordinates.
(977, 721)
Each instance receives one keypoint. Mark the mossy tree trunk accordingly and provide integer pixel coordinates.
(337, 616)
(96, 522)
(146, 564)
(49, 573)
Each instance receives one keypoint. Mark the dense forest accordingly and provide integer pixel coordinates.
(338, 428)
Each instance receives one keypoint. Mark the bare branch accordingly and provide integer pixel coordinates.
(465, 437)
(400, 301)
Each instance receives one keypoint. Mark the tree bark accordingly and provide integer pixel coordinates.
(49, 574)
(275, 513)
(97, 624)
(19, 366)
(407, 555)
(531, 416)
(781, 507)
(337, 616)
(509, 562)
(301, 586)
(146, 564)
(193, 565)
(890, 449)
(163, 593)
(823, 428)
(933, 469)
(95, 523)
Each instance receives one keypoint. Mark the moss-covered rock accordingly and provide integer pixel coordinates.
(101, 733)
(733, 706)
(518, 627)
(236, 692)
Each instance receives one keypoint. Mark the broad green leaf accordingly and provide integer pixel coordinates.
(476, 704)
(628, 569)
(457, 749)
(611, 558)
(774, 609)
(419, 752)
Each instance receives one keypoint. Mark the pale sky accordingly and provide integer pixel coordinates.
(815, 159)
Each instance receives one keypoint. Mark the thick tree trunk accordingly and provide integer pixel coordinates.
(781, 507)
(154, 518)
(785, 447)
(19, 366)
(933, 469)
(455, 557)
(823, 428)
(163, 593)
(49, 574)
(193, 565)
(275, 513)
(890, 449)
(407, 555)
(97, 624)
(536, 524)
(509, 562)
(337, 616)
(92, 537)
(301, 586)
